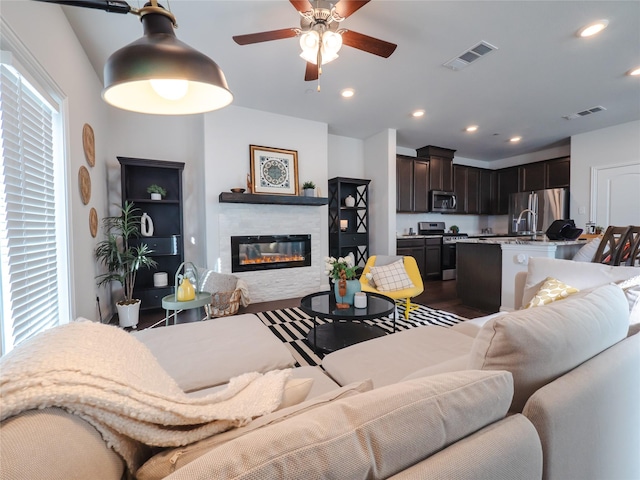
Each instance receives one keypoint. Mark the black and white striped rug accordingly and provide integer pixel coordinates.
(291, 326)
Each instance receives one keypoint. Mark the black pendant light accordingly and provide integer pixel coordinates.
(158, 73)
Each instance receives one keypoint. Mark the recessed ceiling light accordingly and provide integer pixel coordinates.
(418, 113)
(348, 92)
(471, 128)
(593, 28)
(515, 139)
(634, 72)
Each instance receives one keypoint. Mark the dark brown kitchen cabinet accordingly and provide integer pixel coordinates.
(507, 183)
(440, 166)
(558, 173)
(412, 184)
(460, 173)
(472, 187)
(473, 190)
(404, 184)
(487, 196)
(426, 251)
(532, 176)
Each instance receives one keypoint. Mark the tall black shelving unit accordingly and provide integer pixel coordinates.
(355, 237)
(167, 241)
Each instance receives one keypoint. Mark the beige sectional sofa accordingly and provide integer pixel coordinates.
(550, 392)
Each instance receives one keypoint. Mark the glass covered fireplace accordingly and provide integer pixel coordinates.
(264, 252)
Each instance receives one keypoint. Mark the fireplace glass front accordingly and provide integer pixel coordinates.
(264, 252)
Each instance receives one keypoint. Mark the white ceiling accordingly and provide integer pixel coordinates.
(540, 72)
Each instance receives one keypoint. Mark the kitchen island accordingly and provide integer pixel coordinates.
(487, 267)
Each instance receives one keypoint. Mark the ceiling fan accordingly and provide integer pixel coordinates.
(320, 35)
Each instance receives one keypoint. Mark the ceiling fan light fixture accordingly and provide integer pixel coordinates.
(328, 42)
(159, 74)
(634, 72)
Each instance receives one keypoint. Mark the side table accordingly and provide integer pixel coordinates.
(170, 303)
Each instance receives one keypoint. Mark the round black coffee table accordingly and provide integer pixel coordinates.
(347, 326)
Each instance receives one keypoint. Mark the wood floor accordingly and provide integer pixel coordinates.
(437, 294)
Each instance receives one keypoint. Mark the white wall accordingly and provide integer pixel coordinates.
(45, 32)
(380, 168)
(228, 134)
(346, 157)
(618, 145)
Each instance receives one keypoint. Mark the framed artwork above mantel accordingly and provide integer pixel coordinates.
(274, 171)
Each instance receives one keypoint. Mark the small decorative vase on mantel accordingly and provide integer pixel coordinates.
(345, 290)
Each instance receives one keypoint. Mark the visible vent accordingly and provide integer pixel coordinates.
(584, 113)
(470, 55)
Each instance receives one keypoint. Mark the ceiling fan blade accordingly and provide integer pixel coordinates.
(311, 72)
(368, 44)
(264, 36)
(347, 7)
(301, 5)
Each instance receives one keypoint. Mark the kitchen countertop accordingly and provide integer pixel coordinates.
(521, 241)
(417, 236)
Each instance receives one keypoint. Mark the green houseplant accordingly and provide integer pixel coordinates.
(122, 259)
(156, 191)
(309, 189)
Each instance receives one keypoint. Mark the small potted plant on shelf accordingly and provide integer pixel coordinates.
(122, 259)
(309, 189)
(156, 191)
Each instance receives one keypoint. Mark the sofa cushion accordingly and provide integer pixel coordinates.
(54, 444)
(551, 290)
(205, 354)
(389, 359)
(167, 461)
(588, 251)
(372, 435)
(390, 278)
(538, 345)
(580, 275)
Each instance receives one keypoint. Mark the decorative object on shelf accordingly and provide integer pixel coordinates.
(93, 222)
(186, 281)
(350, 201)
(344, 225)
(274, 170)
(84, 182)
(237, 190)
(360, 300)
(309, 189)
(123, 260)
(156, 191)
(146, 225)
(88, 144)
(454, 229)
(160, 279)
(249, 190)
(343, 273)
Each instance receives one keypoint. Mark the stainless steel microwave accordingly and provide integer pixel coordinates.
(443, 202)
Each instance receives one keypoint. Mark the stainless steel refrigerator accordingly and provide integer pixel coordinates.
(537, 210)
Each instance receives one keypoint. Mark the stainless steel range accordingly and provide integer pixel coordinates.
(447, 248)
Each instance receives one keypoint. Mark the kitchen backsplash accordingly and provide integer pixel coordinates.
(469, 224)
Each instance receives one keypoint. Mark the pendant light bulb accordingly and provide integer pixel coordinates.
(170, 89)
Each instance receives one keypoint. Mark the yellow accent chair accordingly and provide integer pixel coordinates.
(405, 295)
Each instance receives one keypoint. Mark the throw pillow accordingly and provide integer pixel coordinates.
(631, 289)
(390, 278)
(552, 289)
(588, 251)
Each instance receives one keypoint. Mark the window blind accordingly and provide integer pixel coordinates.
(28, 243)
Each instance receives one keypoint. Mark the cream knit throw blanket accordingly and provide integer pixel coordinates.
(110, 379)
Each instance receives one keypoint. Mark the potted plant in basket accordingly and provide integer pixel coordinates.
(156, 191)
(309, 189)
(122, 259)
(342, 272)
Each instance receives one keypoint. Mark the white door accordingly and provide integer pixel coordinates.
(615, 195)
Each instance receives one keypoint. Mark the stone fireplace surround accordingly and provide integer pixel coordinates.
(255, 219)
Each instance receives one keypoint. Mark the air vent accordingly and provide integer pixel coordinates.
(469, 56)
(584, 113)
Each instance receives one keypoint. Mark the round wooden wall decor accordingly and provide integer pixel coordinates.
(93, 222)
(88, 144)
(84, 181)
